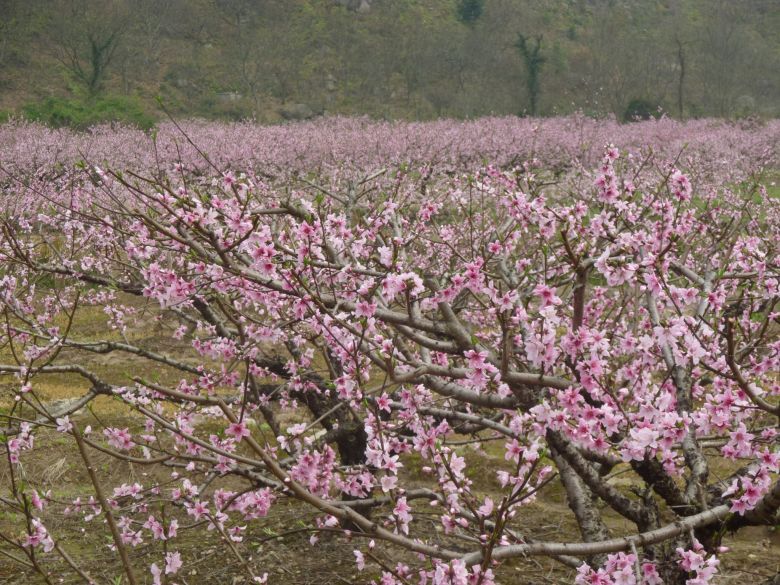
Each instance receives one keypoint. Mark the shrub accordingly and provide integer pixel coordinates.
(469, 11)
(641, 109)
(81, 113)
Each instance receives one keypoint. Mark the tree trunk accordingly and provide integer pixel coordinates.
(681, 79)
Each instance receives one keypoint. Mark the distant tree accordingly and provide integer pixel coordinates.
(12, 25)
(6, 20)
(680, 77)
(533, 60)
(242, 47)
(675, 30)
(729, 48)
(85, 35)
(151, 24)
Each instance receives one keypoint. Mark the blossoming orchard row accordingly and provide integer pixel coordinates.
(588, 317)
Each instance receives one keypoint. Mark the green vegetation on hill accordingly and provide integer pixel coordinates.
(83, 113)
(292, 59)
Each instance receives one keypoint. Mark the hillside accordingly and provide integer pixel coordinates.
(293, 59)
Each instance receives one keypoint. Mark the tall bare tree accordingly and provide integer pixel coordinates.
(85, 36)
(531, 52)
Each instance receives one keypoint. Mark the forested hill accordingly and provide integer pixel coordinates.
(414, 59)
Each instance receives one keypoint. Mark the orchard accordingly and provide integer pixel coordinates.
(405, 336)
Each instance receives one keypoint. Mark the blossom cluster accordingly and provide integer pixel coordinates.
(360, 341)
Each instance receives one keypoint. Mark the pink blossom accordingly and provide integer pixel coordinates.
(365, 309)
(173, 563)
(156, 574)
(238, 430)
(64, 425)
(360, 561)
